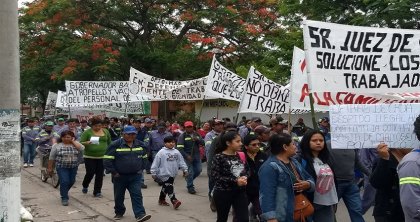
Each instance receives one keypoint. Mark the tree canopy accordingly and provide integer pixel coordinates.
(101, 39)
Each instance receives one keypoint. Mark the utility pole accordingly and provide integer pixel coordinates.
(9, 113)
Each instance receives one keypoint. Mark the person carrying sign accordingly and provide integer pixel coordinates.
(189, 145)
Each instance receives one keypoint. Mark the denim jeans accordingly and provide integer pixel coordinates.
(351, 195)
(28, 153)
(67, 177)
(131, 183)
(194, 170)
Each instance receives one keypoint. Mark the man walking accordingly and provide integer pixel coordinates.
(29, 134)
(189, 145)
(125, 159)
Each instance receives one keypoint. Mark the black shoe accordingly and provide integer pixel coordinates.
(143, 218)
(118, 216)
(143, 186)
(191, 190)
(148, 172)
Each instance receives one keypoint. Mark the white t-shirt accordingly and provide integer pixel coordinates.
(325, 192)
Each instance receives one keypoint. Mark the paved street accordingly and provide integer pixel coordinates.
(44, 201)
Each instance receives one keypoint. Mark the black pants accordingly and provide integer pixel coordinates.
(94, 167)
(168, 189)
(237, 199)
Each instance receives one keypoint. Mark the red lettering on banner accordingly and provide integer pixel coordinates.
(337, 97)
(303, 65)
(304, 93)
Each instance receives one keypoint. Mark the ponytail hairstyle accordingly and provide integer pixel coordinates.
(221, 143)
(417, 127)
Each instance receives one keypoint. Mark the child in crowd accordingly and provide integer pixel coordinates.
(164, 169)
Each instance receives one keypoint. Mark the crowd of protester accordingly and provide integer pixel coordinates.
(258, 170)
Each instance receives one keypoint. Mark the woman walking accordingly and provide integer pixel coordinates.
(96, 141)
(64, 155)
(278, 180)
(230, 178)
(316, 160)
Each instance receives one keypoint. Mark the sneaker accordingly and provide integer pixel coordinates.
(118, 216)
(64, 202)
(148, 172)
(143, 186)
(212, 205)
(191, 190)
(98, 195)
(143, 218)
(176, 204)
(163, 203)
(25, 165)
(84, 190)
(31, 165)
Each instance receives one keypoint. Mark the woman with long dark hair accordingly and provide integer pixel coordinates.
(64, 155)
(279, 182)
(230, 178)
(315, 158)
(96, 140)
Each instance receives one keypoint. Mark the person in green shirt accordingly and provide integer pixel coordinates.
(96, 141)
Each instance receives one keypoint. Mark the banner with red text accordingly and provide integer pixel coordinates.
(324, 99)
(344, 58)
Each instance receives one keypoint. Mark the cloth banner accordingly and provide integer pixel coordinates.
(365, 126)
(162, 89)
(130, 107)
(224, 84)
(263, 95)
(50, 103)
(84, 93)
(362, 59)
(324, 99)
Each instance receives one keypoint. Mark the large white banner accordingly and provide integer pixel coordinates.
(162, 89)
(362, 59)
(224, 84)
(85, 93)
(324, 99)
(365, 126)
(263, 95)
(130, 107)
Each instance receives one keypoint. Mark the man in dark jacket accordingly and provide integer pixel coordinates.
(189, 145)
(125, 159)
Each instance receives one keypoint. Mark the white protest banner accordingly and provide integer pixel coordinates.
(365, 126)
(263, 95)
(323, 99)
(82, 93)
(130, 107)
(50, 103)
(224, 84)
(362, 59)
(163, 89)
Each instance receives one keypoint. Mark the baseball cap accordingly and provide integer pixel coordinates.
(49, 123)
(324, 119)
(147, 120)
(256, 119)
(60, 119)
(129, 129)
(278, 120)
(161, 125)
(188, 124)
(261, 129)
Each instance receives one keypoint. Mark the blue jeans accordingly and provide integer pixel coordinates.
(131, 183)
(351, 195)
(67, 177)
(28, 153)
(194, 170)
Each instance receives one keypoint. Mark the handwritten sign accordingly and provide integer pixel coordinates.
(223, 83)
(365, 126)
(362, 59)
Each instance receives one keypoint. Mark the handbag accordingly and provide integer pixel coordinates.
(303, 207)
